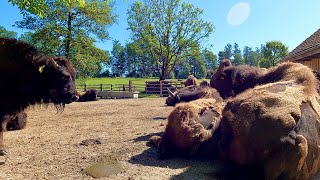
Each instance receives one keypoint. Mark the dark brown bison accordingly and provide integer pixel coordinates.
(204, 83)
(190, 81)
(275, 127)
(190, 126)
(233, 80)
(19, 121)
(89, 95)
(223, 64)
(30, 78)
(191, 93)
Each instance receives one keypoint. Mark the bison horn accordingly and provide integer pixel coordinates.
(170, 93)
(55, 64)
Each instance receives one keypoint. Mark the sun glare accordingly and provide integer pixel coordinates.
(238, 14)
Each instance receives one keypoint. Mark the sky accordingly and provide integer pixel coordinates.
(248, 23)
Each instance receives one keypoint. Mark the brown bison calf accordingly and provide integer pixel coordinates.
(18, 122)
(192, 93)
(190, 126)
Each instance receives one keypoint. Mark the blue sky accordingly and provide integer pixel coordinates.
(288, 21)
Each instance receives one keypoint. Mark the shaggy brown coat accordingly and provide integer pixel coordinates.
(30, 78)
(233, 80)
(189, 127)
(89, 95)
(274, 126)
(18, 122)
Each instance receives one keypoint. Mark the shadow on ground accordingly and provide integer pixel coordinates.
(196, 167)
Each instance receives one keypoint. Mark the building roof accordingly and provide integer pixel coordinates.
(307, 50)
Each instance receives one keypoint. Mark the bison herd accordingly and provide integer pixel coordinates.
(266, 118)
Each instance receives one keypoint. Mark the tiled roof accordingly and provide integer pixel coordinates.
(308, 45)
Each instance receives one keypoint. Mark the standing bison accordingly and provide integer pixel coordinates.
(192, 93)
(30, 78)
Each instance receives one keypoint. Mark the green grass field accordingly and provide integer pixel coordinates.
(119, 83)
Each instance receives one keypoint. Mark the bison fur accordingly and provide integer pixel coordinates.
(32, 78)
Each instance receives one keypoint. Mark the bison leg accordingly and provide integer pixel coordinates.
(3, 122)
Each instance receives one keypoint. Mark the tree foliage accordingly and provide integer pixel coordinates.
(6, 33)
(72, 30)
(273, 52)
(170, 34)
(39, 7)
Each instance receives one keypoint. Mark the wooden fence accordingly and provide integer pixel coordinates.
(149, 87)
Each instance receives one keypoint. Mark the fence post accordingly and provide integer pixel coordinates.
(100, 87)
(85, 87)
(123, 88)
(146, 87)
(111, 87)
(130, 86)
(161, 88)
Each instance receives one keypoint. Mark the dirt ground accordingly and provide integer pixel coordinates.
(50, 146)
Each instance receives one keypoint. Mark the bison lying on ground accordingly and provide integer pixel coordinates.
(31, 77)
(18, 122)
(233, 80)
(189, 127)
(223, 64)
(191, 93)
(274, 126)
(190, 81)
(89, 95)
(204, 83)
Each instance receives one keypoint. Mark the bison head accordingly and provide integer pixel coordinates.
(172, 99)
(58, 77)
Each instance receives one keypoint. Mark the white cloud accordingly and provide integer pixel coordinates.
(238, 13)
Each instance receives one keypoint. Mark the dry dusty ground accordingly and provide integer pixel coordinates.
(49, 147)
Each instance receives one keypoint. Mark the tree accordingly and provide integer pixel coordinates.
(39, 7)
(118, 64)
(273, 52)
(236, 49)
(169, 34)
(237, 59)
(7, 34)
(228, 51)
(71, 30)
(209, 59)
(221, 56)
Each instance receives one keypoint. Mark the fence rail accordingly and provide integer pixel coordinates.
(149, 87)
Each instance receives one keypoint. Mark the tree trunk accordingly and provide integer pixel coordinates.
(68, 38)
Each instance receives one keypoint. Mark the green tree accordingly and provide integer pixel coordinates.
(7, 34)
(209, 59)
(221, 56)
(72, 30)
(168, 29)
(273, 52)
(118, 63)
(238, 59)
(228, 51)
(236, 49)
(39, 7)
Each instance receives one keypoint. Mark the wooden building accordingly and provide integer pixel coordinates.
(308, 52)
